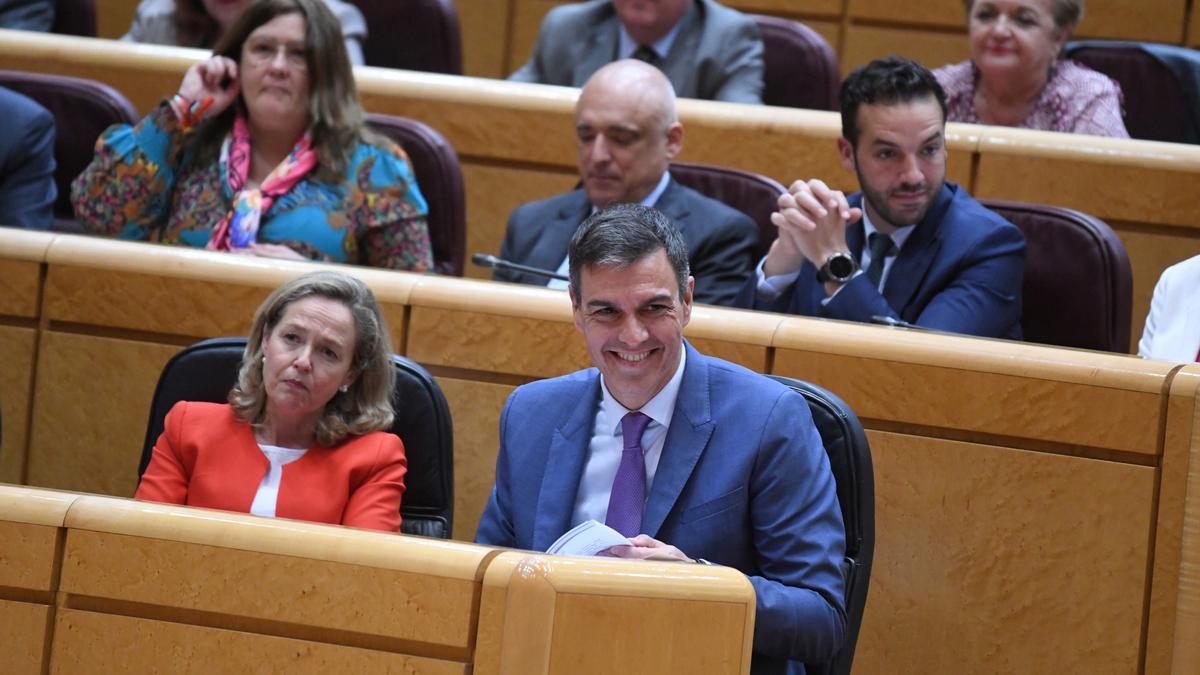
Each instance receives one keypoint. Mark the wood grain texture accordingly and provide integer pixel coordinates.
(475, 407)
(1008, 561)
(90, 406)
(484, 38)
(933, 48)
(23, 626)
(29, 555)
(230, 585)
(19, 283)
(92, 642)
(16, 390)
(1186, 645)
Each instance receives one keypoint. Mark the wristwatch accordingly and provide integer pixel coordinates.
(838, 267)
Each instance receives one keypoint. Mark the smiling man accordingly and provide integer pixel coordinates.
(933, 257)
(626, 134)
(691, 457)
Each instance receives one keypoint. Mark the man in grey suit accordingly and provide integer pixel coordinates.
(627, 133)
(708, 51)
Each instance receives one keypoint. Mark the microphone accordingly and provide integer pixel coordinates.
(894, 323)
(486, 260)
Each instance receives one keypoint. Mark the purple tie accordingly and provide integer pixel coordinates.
(628, 496)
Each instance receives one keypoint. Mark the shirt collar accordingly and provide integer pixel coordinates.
(626, 46)
(659, 409)
(899, 236)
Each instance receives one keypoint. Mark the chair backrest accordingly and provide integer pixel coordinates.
(850, 460)
(1078, 289)
(800, 69)
(74, 17)
(82, 109)
(413, 34)
(753, 194)
(1156, 107)
(440, 178)
(207, 370)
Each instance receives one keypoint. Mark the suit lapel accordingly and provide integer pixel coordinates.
(601, 49)
(691, 428)
(913, 263)
(674, 206)
(551, 247)
(679, 65)
(564, 466)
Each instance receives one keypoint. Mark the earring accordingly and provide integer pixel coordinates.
(344, 388)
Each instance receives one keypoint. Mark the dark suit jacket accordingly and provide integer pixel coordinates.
(27, 189)
(721, 241)
(960, 271)
(743, 481)
(717, 53)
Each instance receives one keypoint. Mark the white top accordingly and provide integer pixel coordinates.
(268, 489)
(564, 268)
(607, 444)
(1172, 330)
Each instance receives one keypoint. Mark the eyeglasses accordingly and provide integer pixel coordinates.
(264, 52)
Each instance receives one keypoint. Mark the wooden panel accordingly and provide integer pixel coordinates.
(703, 616)
(495, 191)
(19, 282)
(1102, 405)
(484, 36)
(829, 8)
(1181, 437)
(16, 353)
(90, 407)
(113, 17)
(1186, 645)
(526, 19)
(1193, 26)
(830, 30)
(948, 13)
(102, 643)
(930, 47)
(28, 561)
(23, 626)
(1008, 561)
(475, 407)
(1147, 20)
(496, 344)
(250, 590)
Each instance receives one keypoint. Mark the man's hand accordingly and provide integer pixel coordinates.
(812, 220)
(645, 547)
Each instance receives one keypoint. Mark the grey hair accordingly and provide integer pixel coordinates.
(623, 234)
(366, 405)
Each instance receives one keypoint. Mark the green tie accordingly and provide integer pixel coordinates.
(882, 246)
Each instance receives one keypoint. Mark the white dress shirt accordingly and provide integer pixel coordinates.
(607, 444)
(626, 45)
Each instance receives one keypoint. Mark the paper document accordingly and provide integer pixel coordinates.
(587, 538)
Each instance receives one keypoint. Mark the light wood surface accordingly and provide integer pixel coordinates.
(23, 626)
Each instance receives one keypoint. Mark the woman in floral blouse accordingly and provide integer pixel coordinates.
(262, 152)
(1015, 78)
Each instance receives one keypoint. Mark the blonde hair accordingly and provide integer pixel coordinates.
(366, 405)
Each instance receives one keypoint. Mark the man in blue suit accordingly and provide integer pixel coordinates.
(691, 457)
(935, 257)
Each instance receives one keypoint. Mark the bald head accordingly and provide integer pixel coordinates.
(627, 132)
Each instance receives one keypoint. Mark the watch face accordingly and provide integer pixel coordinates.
(840, 267)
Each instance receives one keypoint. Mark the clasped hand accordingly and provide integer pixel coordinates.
(812, 220)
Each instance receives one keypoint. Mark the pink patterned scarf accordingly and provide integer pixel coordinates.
(239, 227)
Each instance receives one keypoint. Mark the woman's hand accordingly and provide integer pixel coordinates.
(217, 78)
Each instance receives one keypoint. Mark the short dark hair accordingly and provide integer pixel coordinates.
(623, 234)
(887, 81)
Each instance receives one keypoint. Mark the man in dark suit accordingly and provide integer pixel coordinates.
(689, 456)
(935, 257)
(27, 188)
(708, 51)
(627, 133)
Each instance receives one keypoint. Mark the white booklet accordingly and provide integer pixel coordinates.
(587, 538)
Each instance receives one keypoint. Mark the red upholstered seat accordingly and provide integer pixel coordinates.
(800, 69)
(412, 34)
(752, 194)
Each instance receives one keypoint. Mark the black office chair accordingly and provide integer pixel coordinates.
(850, 459)
(207, 370)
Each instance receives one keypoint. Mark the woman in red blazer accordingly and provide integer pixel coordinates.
(302, 435)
